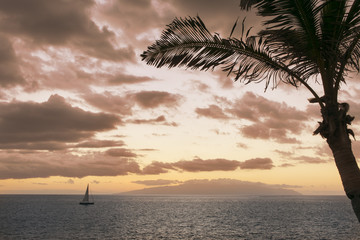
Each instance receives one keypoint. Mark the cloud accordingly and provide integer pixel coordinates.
(314, 160)
(120, 152)
(242, 145)
(70, 181)
(262, 131)
(211, 10)
(256, 108)
(120, 79)
(33, 125)
(110, 103)
(219, 187)
(61, 23)
(10, 74)
(212, 111)
(40, 183)
(269, 120)
(157, 168)
(43, 165)
(159, 120)
(257, 163)
(157, 182)
(200, 165)
(153, 99)
(287, 165)
(99, 144)
(123, 104)
(113, 162)
(319, 156)
(130, 17)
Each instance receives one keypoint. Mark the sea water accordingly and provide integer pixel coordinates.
(177, 217)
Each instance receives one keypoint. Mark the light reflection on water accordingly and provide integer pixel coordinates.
(177, 217)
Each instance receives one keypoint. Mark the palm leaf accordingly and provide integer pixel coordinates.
(187, 42)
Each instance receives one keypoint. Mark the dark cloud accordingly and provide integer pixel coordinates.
(61, 23)
(38, 145)
(213, 111)
(157, 182)
(159, 120)
(120, 79)
(153, 99)
(210, 11)
(49, 123)
(120, 152)
(9, 67)
(133, 21)
(219, 187)
(43, 165)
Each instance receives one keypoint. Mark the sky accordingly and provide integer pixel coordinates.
(79, 106)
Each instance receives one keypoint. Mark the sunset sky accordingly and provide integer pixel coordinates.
(78, 106)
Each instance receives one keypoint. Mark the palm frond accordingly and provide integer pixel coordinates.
(187, 42)
(247, 4)
(293, 30)
(348, 46)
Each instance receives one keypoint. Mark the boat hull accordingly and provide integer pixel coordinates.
(86, 203)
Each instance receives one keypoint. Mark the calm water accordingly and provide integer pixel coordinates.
(177, 217)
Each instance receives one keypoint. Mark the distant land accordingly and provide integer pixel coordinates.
(218, 187)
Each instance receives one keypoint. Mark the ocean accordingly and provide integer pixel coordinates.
(177, 217)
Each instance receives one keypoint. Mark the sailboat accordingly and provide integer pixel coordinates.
(85, 200)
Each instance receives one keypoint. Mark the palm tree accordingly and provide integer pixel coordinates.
(302, 42)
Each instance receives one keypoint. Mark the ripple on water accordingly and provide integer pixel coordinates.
(177, 217)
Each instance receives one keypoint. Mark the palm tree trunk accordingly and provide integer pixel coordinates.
(340, 145)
